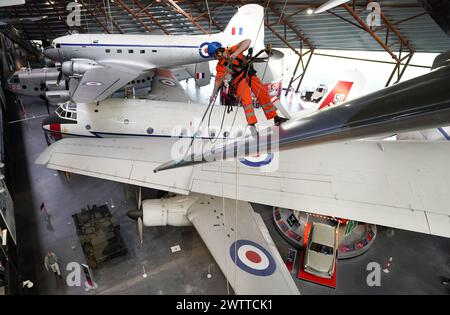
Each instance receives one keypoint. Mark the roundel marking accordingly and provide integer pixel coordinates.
(167, 82)
(257, 161)
(203, 50)
(252, 258)
(93, 83)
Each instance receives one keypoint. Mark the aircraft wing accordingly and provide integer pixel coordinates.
(165, 87)
(128, 161)
(102, 80)
(402, 184)
(240, 243)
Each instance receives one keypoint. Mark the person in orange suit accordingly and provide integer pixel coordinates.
(232, 62)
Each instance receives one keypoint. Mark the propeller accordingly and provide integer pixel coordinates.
(137, 215)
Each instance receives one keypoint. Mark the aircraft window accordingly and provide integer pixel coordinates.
(119, 51)
(150, 130)
(95, 41)
(58, 45)
(154, 50)
(226, 134)
(320, 90)
(143, 80)
(67, 111)
(138, 81)
(88, 127)
(148, 78)
(133, 82)
(42, 88)
(130, 51)
(126, 121)
(24, 87)
(142, 51)
(36, 89)
(108, 50)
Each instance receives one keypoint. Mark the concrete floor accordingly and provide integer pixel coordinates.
(419, 261)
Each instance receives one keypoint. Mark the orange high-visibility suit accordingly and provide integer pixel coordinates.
(244, 86)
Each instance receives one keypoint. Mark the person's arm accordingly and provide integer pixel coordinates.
(217, 82)
(242, 46)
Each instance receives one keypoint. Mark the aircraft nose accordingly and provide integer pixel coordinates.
(52, 123)
(52, 53)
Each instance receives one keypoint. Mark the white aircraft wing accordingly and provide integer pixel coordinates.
(165, 87)
(239, 241)
(102, 80)
(128, 161)
(402, 184)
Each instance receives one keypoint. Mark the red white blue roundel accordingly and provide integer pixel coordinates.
(203, 50)
(167, 82)
(252, 258)
(93, 83)
(257, 161)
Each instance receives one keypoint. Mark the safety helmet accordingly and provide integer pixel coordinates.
(212, 47)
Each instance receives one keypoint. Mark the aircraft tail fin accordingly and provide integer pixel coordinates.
(247, 23)
(350, 81)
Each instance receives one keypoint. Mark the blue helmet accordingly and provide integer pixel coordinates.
(212, 47)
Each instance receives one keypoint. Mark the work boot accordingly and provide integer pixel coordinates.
(279, 120)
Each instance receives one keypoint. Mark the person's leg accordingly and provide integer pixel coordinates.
(245, 96)
(58, 271)
(261, 92)
(52, 266)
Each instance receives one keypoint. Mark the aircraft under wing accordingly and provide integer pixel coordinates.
(402, 184)
(233, 232)
(165, 87)
(102, 80)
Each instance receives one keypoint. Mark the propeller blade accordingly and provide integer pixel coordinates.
(140, 229)
(140, 199)
(59, 77)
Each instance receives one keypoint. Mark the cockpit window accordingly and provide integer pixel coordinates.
(67, 110)
(14, 79)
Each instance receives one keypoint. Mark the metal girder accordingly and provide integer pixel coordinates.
(368, 30)
(144, 10)
(304, 68)
(209, 17)
(106, 17)
(94, 16)
(35, 7)
(175, 6)
(125, 7)
(291, 26)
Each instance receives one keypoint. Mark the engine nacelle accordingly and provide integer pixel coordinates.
(52, 85)
(170, 211)
(56, 97)
(77, 67)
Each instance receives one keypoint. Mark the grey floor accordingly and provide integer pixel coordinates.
(419, 261)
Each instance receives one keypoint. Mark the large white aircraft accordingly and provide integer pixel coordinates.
(100, 64)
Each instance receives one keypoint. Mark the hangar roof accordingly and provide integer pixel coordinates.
(405, 22)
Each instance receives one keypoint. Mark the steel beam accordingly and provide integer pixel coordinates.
(172, 4)
(94, 16)
(124, 6)
(368, 30)
(144, 9)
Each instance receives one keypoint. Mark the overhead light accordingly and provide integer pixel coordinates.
(309, 11)
(329, 5)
